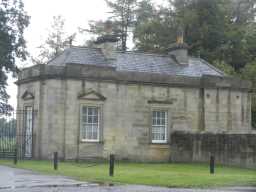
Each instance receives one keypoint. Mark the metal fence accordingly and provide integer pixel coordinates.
(16, 141)
(7, 135)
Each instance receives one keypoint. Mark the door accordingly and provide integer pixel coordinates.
(28, 143)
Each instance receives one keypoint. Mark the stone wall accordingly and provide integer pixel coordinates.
(216, 105)
(228, 149)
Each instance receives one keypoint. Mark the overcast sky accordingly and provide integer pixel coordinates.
(77, 13)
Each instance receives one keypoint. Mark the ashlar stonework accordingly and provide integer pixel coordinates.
(127, 92)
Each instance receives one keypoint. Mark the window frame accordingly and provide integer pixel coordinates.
(99, 123)
(165, 141)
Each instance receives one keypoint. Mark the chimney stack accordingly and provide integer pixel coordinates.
(179, 50)
(107, 42)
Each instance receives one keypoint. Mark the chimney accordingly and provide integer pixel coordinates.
(107, 42)
(179, 50)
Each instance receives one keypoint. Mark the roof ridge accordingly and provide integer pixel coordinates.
(142, 53)
(128, 52)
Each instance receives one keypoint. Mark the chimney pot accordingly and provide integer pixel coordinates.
(107, 42)
(179, 50)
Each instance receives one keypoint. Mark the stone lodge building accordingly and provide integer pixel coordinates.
(91, 102)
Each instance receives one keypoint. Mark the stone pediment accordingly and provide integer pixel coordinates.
(91, 95)
(27, 95)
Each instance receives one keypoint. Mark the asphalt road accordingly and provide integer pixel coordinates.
(18, 180)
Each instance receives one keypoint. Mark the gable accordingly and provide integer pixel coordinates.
(27, 95)
(91, 95)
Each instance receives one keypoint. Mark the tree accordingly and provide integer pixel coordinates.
(97, 29)
(55, 43)
(203, 23)
(226, 68)
(123, 12)
(122, 17)
(217, 30)
(243, 11)
(13, 21)
(155, 29)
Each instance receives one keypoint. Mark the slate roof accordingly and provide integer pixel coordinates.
(133, 61)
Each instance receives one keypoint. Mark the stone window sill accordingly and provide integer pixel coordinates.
(160, 145)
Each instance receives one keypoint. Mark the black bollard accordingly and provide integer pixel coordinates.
(111, 165)
(15, 159)
(55, 160)
(212, 164)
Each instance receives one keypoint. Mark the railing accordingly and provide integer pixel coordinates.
(16, 143)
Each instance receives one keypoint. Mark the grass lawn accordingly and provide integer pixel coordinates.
(169, 175)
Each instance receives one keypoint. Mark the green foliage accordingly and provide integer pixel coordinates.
(250, 38)
(164, 174)
(203, 23)
(249, 72)
(227, 69)
(13, 21)
(222, 30)
(154, 29)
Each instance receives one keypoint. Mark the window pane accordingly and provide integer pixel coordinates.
(95, 132)
(89, 119)
(163, 121)
(162, 114)
(154, 121)
(95, 119)
(154, 114)
(94, 111)
(157, 114)
(158, 122)
(90, 111)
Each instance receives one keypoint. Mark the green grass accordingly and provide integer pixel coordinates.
(169, 175)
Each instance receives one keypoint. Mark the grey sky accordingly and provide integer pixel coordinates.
(77, 13)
